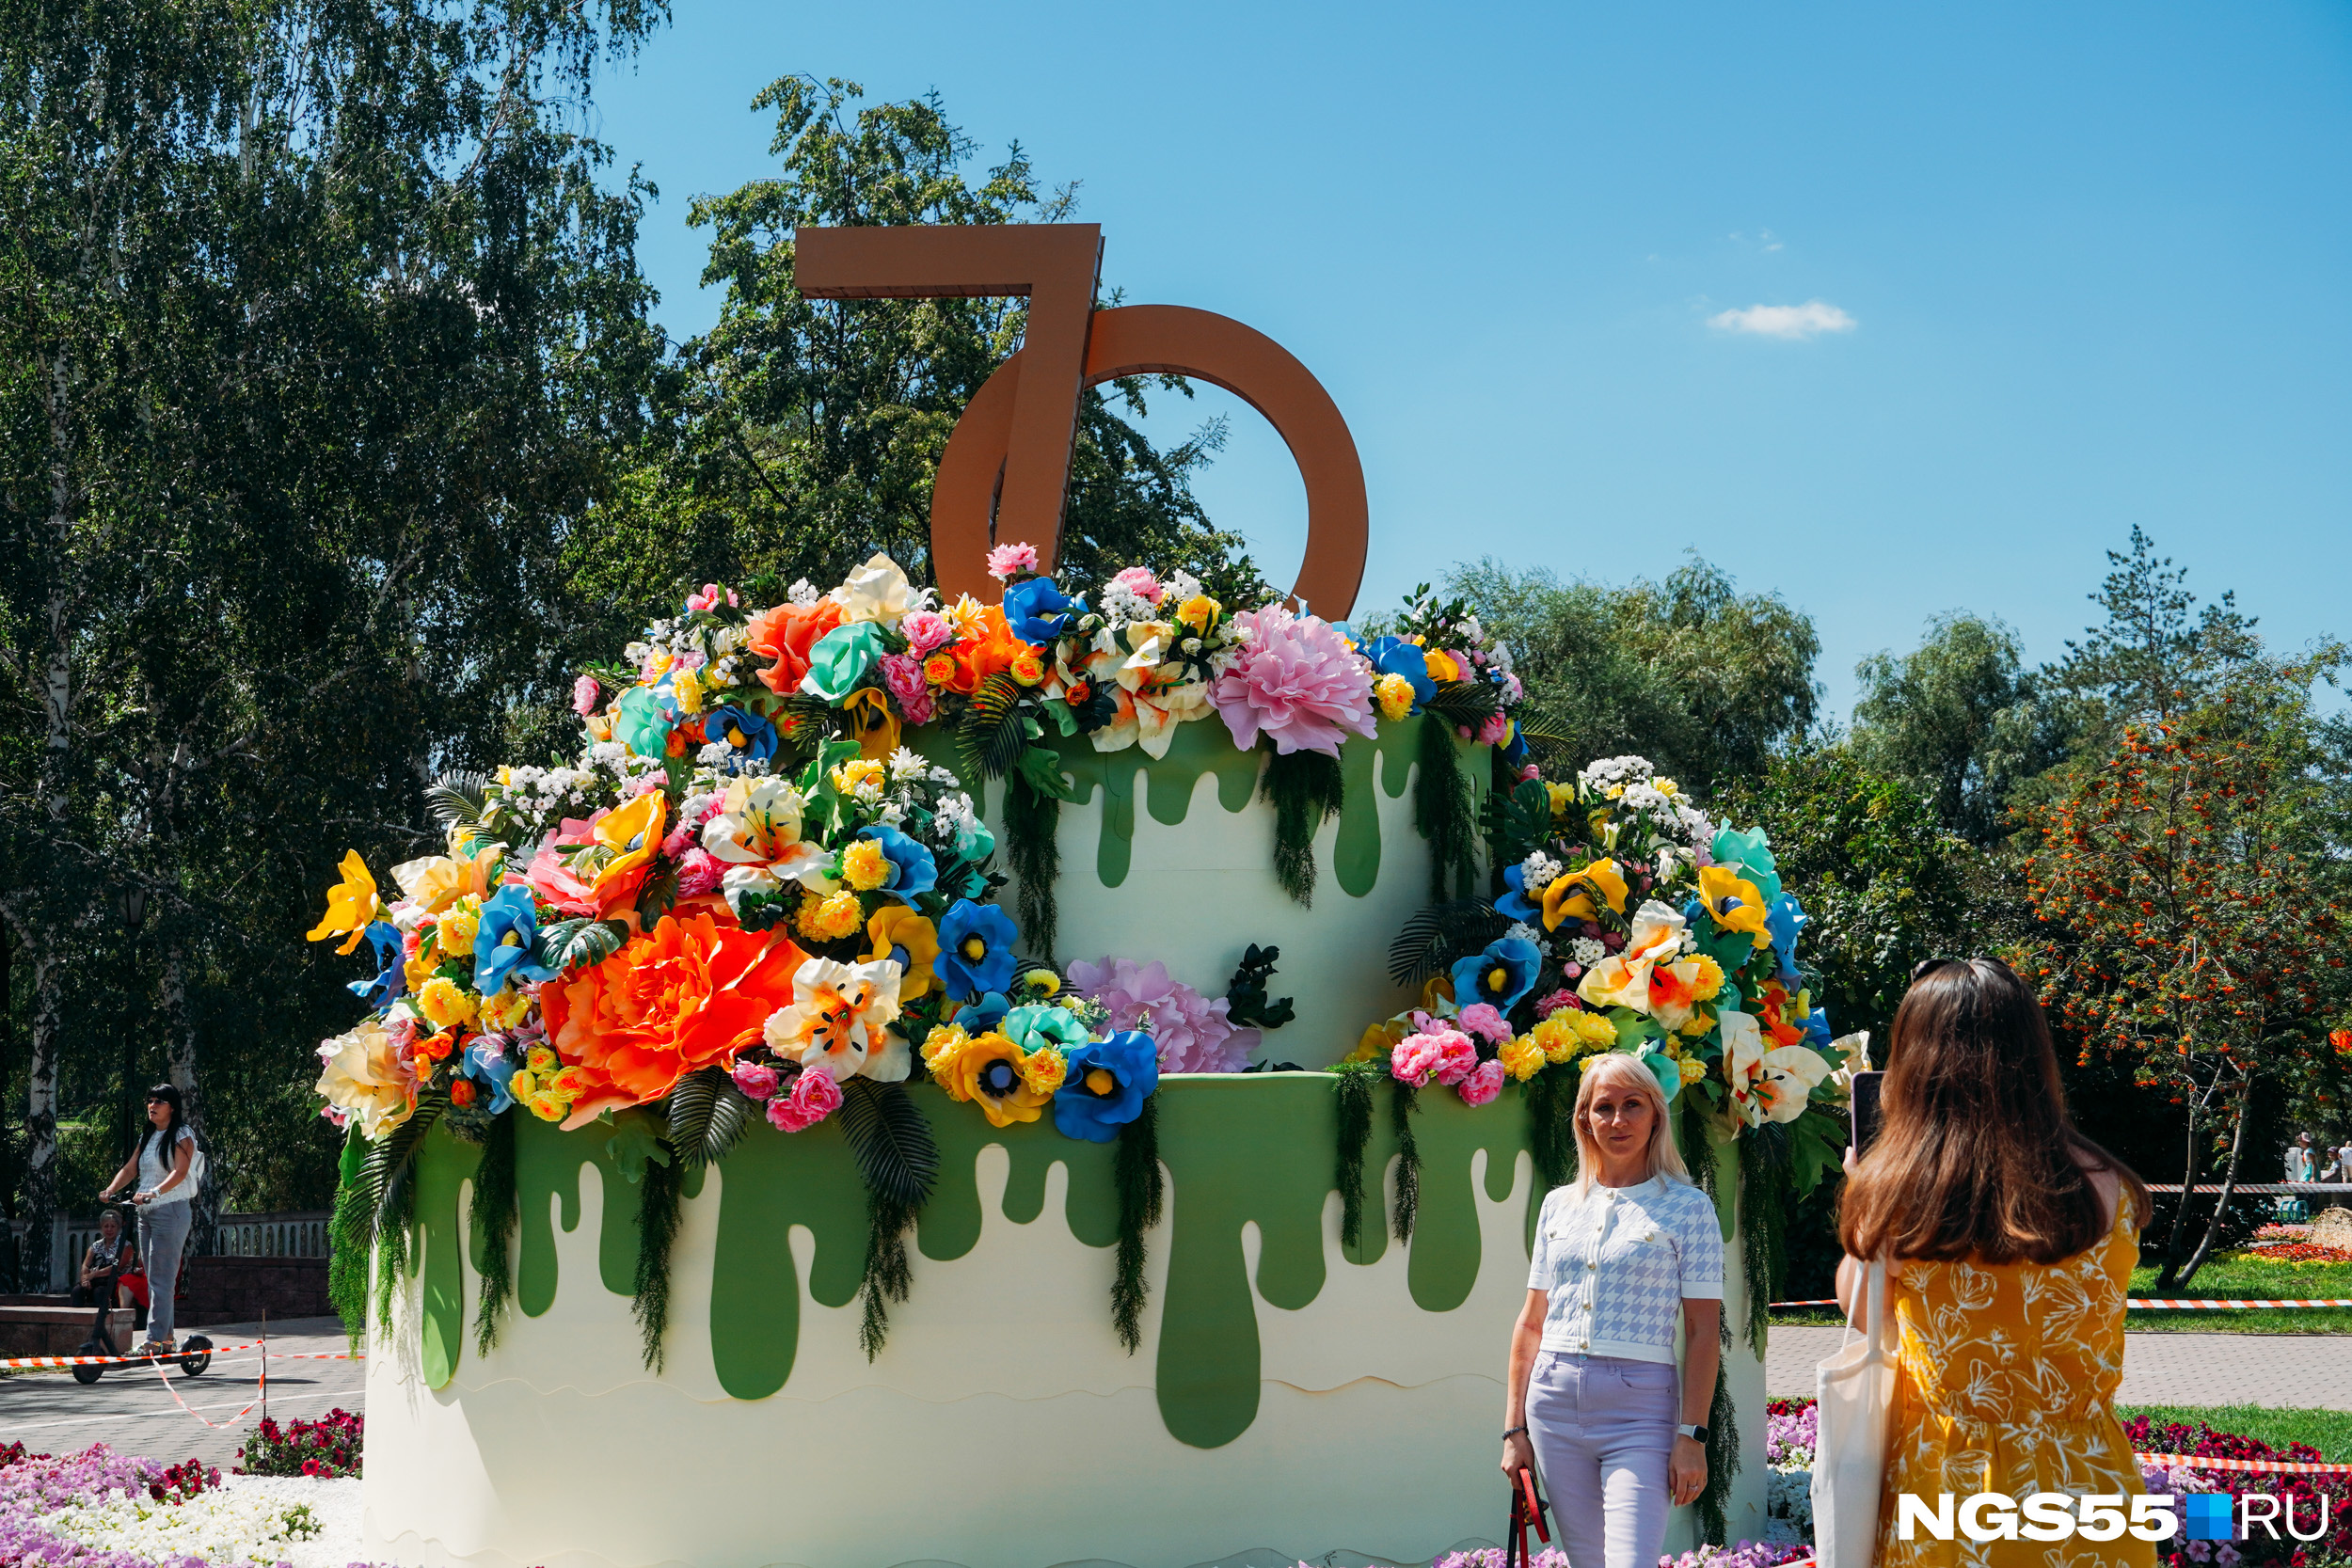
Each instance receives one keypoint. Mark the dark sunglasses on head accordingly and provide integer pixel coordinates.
(1925, 967)
(157, 1100)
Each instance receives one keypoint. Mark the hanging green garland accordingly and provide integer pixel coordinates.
(1032, 822)
(658, 1207)
(1306, 789)
(495, 1209)
(1141, 1195)
(1441, 811)
(1402, 1104)
(1352, 1082)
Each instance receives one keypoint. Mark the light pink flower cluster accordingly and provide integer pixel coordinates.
(927, 631)
(1193, 1034)
(814, 1095)
(1139, 581)
(1008, 561)
(1483, 1019)
(584, 694)
(1442, 1056)
(1296, 680)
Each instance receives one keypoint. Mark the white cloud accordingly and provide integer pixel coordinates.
(1792, 322)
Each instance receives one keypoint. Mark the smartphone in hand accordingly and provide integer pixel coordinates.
(1866, 1111)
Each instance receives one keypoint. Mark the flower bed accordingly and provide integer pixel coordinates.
(324, 1449)
(99, 1508)
(2296, 1252)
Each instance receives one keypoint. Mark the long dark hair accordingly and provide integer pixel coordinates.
(170, 1095)
(1976, 1156)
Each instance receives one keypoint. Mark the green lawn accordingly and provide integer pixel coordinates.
(2328, 1431)
(2232, 1276)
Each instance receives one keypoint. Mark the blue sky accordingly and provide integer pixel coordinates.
(2073, 267)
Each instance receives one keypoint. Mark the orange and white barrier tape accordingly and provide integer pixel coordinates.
(259, 1393)
(2159, 1304)
(138, 1359)
(2289, 1466)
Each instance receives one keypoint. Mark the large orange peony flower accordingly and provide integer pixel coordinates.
(687, 995)
(785, 634)
(994, 650)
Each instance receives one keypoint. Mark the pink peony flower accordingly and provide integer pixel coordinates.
(1006, 562)
(698, 872)
(1192, 1033)
(814, 1096)
(1139, 581)
(756, 1079)
(902, 676)
(681, 840)
(1483, 1082)
(1296, 680)
(1457, 1057)
(1415, 1058)
(1493, 730)
(584, 694)
(927, 631)
(1563, 1000)
(1481, 1018)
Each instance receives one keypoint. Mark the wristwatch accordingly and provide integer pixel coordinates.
(1694, 1433)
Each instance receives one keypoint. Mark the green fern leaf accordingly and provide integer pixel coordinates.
(893, 1143)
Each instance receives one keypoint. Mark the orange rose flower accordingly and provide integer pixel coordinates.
(992, 651)
(686, 995)
(785, 634)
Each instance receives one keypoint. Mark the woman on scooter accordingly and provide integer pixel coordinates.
(166, 1153)
(111, 1254)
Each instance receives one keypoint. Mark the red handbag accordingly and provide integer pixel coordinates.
(1527, 1508)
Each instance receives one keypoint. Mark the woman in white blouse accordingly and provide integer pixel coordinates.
(1593, 1402)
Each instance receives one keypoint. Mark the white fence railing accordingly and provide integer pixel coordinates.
(291, 1234)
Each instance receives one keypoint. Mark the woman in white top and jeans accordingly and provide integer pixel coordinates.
(1593, 1402)
(166, 1152)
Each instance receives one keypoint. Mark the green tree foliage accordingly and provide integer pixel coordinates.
(801, 435)
(1960, 719)
(1702, 679)
(321, 322)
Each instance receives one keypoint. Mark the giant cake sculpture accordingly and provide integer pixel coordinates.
(1002, 1076)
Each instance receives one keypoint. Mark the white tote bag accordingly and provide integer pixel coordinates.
(1856, 1389)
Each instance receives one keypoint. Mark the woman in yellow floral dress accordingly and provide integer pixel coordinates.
(2011, 1240)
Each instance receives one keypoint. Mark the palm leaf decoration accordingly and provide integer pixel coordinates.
(1471, 702)
(993, 736)
(1432, 940)
(455, 799)
(579, 943)
(893, 1143)
(707, 1115)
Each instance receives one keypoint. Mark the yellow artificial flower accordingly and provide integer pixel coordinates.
(1521, 1057)
(540, 1059)
(1043, 1071)
(990, 1070)
(1710, 979)
(444, 1002)
(1441, 666)
(1664, 787)
(942, 1049)
(1563, 797)
(687, 686)
(433, 882)
(877, 727)
(417, 970)
(1692, 1070)
(1570, 896)
(968, 617)
(458, 924)
(1027, 668)
(523, 1084)
(1735, 903)
(547, 1107)
(633, 833)
(1597, 1030)
(363, 1077)
(1199, 613)
(863, 865)
(899, 932)
(1379, 1041)
(507, 1009)
(1556, 1037)
(829, 917)
(1394, 694)
(859, 771)
(350, 903)
(1697, 1025)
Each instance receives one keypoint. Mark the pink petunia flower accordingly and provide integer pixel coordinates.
(1483, 1082)
(1296, 680)
(814, 1096)
(584, 694)
(1006, 562)
(1483, 1019)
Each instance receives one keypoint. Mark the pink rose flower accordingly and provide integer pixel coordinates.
(902, 678)
(584, 694)
(698, 872)
(1481, 1018)
(1491, 733)
(1006, 562)
(1296, 680)
(927, 631)
(681, 840)
(1415, 1058)
(1139, 581)
(814, 1096)
(757, 1080)
(1484, 1083)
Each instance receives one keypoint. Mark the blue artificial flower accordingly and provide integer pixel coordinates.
(1785, 921)
(1817, 1034)
(912, 868)
(487, 1064)
(1039, 1024)
(1105, 1087)
(506, 943)
(644, 719)
(1667, 1070)
(978, 1017)
(1502, 975)
(391, 976)
(976, 948)
(1515, 752)
(1037, 611)
(1393, 655)
(750, 735)
(1515, 903)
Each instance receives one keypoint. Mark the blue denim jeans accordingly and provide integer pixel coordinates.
(1603, 1429)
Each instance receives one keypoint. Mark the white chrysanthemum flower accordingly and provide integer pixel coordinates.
(802, 593)
(1584, 950)
(1537, 872)
(1527, 934)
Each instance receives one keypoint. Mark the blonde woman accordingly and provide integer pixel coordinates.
(1593, 1402)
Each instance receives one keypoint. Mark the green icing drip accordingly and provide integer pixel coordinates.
(1256, 1149)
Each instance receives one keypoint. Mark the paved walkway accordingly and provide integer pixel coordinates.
(131, 1410)
(2307, 1370)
